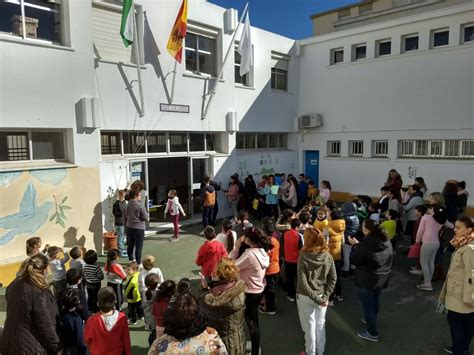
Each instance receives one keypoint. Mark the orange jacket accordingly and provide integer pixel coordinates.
(274, 254)
(336, 237)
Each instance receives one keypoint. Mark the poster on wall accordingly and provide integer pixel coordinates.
(266, 163)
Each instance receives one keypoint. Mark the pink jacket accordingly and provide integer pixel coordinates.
(253, 264)
(428, 231)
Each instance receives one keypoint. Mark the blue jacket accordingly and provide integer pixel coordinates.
(72, 332)
(302, 191)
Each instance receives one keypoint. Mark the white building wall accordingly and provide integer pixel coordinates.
(426, 94)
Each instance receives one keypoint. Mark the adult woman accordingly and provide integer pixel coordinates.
(225, 302)
(373, 260)
(186, 330)
(428, 237)
(463, 196)
(135, 219)
(394, 182)
(233, 194)
(292, 198)
(436, 198)
(458, 290)
(316, 281)
(30, 326)
(421, 183)
(450, 194)
(415, 199)
(336, 228)
(253, 264)
(271, 197)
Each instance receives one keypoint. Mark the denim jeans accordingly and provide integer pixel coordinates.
(369, 300)
(135, 241)
(120, 230)
(207, 212)
(462, 330)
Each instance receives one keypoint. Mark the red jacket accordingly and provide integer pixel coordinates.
(291, 245)
(209, 255)
(159, 308)
(100, 341)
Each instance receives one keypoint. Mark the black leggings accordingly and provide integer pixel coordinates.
(252, 300)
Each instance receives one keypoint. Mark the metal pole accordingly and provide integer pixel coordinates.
(206, 108)
(141, 111)
(174, 79)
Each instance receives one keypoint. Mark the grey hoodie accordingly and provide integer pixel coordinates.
(316, 276)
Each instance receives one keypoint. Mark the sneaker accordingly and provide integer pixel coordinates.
(263, 311)
(130, 322)
(363, 321)
(413, 268)
(416, 272)
(173, 239)
(331, 304)
(448, 349)
(124, 255)
(339, 298)
(364, 334)
(291, 299)
(424, 287)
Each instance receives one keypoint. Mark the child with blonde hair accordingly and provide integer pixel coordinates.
(174, 208)
(134, 299)
(149, 267)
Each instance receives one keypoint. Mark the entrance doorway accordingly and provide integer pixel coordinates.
(312, 165)
(198, 168)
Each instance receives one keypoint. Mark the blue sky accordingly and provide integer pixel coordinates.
(289, 18)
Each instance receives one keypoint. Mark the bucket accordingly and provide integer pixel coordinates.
(110, 240)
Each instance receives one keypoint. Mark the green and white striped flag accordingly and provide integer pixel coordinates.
(126, 28)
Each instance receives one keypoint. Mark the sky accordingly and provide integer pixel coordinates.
(289, 18)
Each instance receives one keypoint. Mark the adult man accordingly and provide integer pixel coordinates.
(217, 187)
(208, 198)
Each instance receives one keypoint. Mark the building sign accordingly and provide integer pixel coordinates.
(174, 108)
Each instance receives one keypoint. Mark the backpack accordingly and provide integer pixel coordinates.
(445, 236)
(209, 198)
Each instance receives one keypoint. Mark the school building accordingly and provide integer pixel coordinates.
(375, 88)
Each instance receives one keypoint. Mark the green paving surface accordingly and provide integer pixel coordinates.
(408, 323)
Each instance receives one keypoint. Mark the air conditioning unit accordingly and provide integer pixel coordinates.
(314, 120)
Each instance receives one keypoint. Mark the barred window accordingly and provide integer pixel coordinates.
(380, 148)
(261, 140)
(14, 146)
(356, 148)
(334, 148)
(436, 148)
(110, 143)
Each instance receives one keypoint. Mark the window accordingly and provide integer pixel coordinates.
(261, 140)
(467, 33)
(243, 80)
(380, 149)
(337, 55)
(201, 53)
(384, 47)
(134, 143)
(196, 142)
(110, 143)
(42, 19)
(356, 148)
(178, 142)
(15, 146)
(343, 13)
(436, 148)
(334, 148)
(156, 142)
(279, 77)
(365, 8)
(359, 52)
(410, 43)
(212, 142)
(439, 38)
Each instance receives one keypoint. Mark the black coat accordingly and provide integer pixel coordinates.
(373, 260)
(30, 327)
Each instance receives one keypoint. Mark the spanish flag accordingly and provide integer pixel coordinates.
(175, 41)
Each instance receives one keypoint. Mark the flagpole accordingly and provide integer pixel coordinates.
(137, 58)
(174, 79)
(206, 108)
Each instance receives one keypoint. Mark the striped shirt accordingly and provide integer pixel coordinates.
(92, 273)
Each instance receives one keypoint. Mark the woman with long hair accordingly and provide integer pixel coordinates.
(458, 290)
(292, 198)
(373, 260)
(394, 182)
(271, 197)
(451, 199)
(253, 263)
(30, 326)
(422, 184)
(225, 302)
(316, 281)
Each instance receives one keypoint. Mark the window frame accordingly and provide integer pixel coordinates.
(365, 8)
(281, 143)
(352, 145)
(207, 33)
(333, 52)
(275, 71)
(435, 148)
(29, 133)
(246, 76)
(379, 43)
(331, 152)
(464, 26)
(433, 34)
(355, 47)
(409, 36)
(380, 148)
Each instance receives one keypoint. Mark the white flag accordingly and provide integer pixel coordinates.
(245, 48)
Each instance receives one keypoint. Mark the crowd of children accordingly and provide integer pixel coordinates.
(294, 213)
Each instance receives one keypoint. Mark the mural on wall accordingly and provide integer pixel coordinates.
(60, 215)
(264, 164)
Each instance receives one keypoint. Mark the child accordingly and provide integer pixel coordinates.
(33, 246)
(118, 210)
(393, 202)
(71, 324)
(292, 243)
(227, 237)
(151, 284)
(174, 208)
(76, 256)
(57, 261)
(94, 276)
(305, 219)
(148, 264)
(420, 211)
(107, 332)
(321, 221)
(390, 226)
(349, 213)
(312, 191)
(383, 201)
(273, 270)
(210, 253)
(134, 299)
(164, 295)
(325, 191)
(115, 275)
(373, 210)
(184, 286)
(74, 281)
(241, 223)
